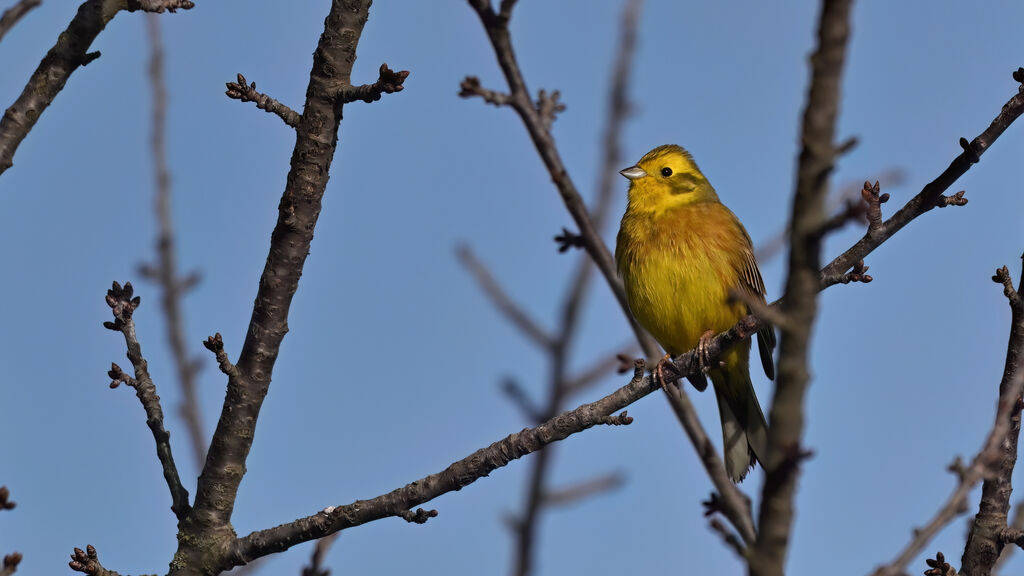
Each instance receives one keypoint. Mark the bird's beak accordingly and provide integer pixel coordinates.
(633, 172)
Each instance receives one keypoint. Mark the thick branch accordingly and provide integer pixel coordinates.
(60, 62)
(985, 540)
(800, 305)
(249, 379)
(15, 13)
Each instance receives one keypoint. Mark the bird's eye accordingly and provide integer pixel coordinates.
(666, 172)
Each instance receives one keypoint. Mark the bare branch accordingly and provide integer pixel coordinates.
(519, 99)
(927, 198)
(123, 304)
(60, 62)
(817, 157)
(515, 392)
(455, 477)
(247, 93)
(1017, 523)
(583, 490)
(848, 204)
(989, 532)
(87, 562)
(599, 369)
(298, 211)
(10, 563)
(165, 272)
(758, 307)
(969, 477)
(471, 87)
(388, 82)
(729, 537)
(509, 309)
(316, 561)
(15, 13)
(994, 463)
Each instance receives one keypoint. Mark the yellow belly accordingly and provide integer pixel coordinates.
(677, 304)
(678, 274)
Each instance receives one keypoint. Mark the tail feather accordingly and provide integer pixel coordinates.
(744, 429)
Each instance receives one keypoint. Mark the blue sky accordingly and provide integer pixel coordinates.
(906, 368)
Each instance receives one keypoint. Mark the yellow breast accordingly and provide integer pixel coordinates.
(678, 267)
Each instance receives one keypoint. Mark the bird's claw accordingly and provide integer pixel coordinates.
(660, 369)
(703, 360)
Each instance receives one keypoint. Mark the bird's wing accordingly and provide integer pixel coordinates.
(751, 280)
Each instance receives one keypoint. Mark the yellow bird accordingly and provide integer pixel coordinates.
(680, 253)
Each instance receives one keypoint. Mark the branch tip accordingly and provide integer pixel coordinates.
(243, 92)
(420, 516)
(86, 561)
(5, 502)
(939, 566)
(215, 344)
(953, 200)
(623, 419)
(471, 87)
(388, 82)
(11, 562)
(970, 153)
(874, 200)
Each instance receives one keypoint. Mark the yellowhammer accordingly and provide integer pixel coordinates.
(681, 252)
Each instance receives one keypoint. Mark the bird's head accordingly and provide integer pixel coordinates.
(664, 178)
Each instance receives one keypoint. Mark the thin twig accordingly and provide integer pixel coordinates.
(512, 312)
(956, 504)
(15, 13)
(597, 370)
(537, 497)
(316, 561)
(582, 490)
(70, 52)
(927, 198)
(243, 92)
(846, 203)
(388, 82)
(165, 272)
(123, 304)
(799, 308)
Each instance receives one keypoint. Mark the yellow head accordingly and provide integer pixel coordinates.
(664, 178)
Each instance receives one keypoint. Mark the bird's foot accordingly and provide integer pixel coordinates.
(702, 350)
(660, 369)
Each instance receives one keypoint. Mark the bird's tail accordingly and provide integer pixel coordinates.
(744, 429)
